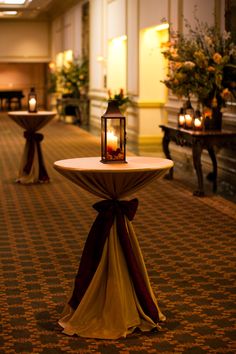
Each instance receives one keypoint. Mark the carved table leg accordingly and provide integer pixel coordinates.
(212, 176)
(197, 151)
(165, 145)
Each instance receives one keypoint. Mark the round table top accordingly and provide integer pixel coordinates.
(134, 163)
(112, 180)
(32, 121)
(31, 114)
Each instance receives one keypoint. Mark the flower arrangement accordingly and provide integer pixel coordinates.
(201, 64)
(73, 77)
(120, 98)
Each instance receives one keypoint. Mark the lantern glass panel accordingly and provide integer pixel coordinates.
(113, 136)
(32, 101)
(189, 115)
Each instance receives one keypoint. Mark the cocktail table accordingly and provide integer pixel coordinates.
(112, 294)
(32, 168)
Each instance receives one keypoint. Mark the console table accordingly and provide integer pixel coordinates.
(76, 107)
(198, 140)
(112, 294)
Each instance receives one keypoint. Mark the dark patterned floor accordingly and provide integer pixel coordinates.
(188, 245)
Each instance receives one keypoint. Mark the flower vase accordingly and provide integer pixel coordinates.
(213, 122)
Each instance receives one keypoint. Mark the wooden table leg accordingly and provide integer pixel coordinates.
(212, 176)
(165, 145)
(197, 151)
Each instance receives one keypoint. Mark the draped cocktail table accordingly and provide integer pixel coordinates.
(112, 294)
(32, 168)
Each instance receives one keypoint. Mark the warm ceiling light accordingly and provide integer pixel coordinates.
(8, 13)
(13, 2)
(119, 39)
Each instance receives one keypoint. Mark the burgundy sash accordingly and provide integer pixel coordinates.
(33, 138)
(92, 253)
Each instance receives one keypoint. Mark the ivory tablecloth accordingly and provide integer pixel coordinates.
(112, 294)
(32, 167)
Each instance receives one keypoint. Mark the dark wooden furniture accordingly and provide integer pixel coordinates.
(69, 106)
(76, 107)
(11, 96)
(198, 140)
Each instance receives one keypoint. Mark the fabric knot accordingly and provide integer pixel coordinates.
(111, 207)
(33, 139)
(32, 136)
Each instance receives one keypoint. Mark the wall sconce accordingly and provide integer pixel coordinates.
(113, 135)
(32, 101)
(101, 59)
(118, 40)
(163, 26)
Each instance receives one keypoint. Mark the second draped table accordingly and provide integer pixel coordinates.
(112, 294)
(32, 168)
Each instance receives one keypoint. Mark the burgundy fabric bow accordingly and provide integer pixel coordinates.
(92, 253)
(33, 138)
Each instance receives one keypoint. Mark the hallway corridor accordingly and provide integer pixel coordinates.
(188, 245)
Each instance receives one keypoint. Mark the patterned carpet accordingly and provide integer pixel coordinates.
(188, 245)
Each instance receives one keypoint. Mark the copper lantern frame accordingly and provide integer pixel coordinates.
(113, 135)
(32, 101)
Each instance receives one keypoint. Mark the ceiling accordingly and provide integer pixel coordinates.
(35, 9)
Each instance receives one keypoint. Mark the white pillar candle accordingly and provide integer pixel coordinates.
(181, 119)
(32, 104)
(112, 141)
(188, 120)
(197, 123)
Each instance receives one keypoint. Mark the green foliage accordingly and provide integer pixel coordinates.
(52, 82)
(202, 64)
(74, 77)
(120, 98)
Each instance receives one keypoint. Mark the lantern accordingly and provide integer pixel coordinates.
(113, 135)
(189, 114)
(181, 118)
(32, 101)
(198, 120)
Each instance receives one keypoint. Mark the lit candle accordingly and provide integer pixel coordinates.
(32, 104)
(197, 123)
(112, 141)
(181, 119)
(188, 120)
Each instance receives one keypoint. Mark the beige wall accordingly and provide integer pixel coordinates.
(24, 41)
(25, 52)
(151, 12)
(66, 32)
